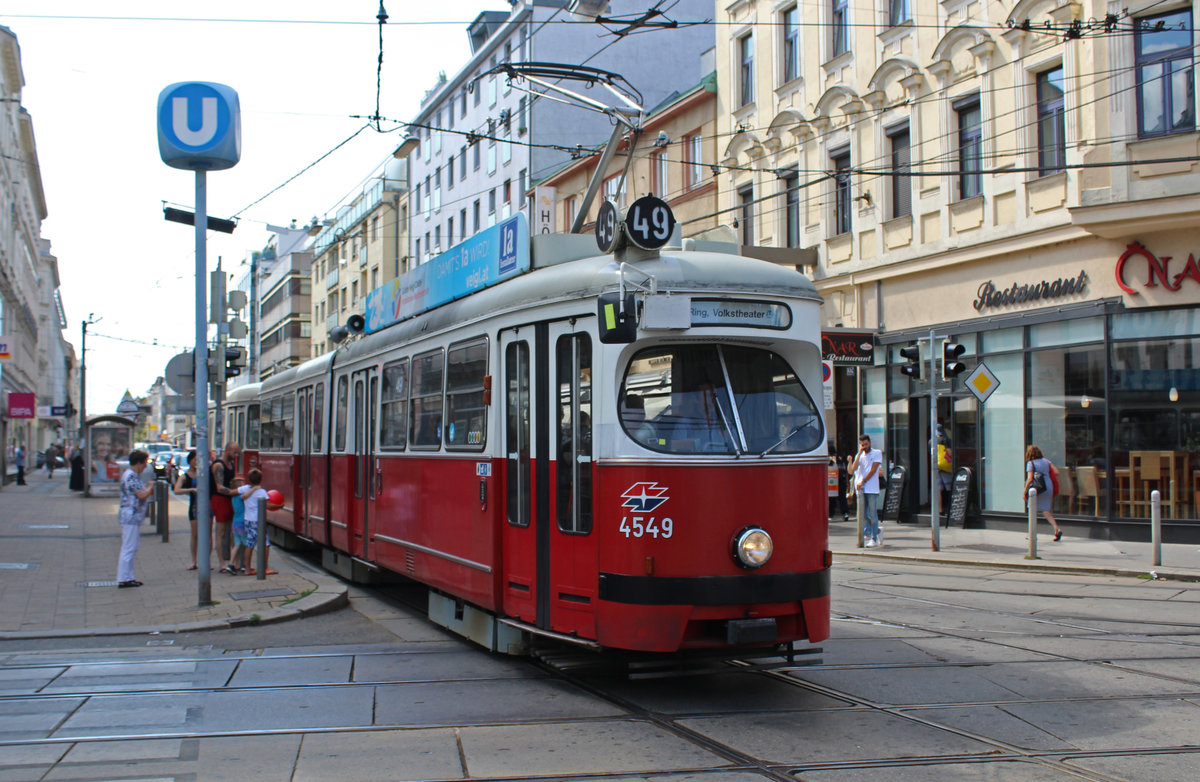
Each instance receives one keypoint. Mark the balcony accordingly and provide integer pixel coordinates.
(331, 279)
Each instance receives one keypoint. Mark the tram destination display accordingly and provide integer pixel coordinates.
(649, 223)
(606, 227)
(895, 494)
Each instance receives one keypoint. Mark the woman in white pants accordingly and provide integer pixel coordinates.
(135, 496)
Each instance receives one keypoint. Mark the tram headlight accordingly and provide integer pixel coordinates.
(752, 547)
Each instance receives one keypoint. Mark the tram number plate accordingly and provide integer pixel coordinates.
(641, 526)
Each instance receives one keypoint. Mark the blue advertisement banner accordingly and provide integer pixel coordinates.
(489, 257)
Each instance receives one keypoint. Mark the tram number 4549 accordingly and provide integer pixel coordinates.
(638, 526)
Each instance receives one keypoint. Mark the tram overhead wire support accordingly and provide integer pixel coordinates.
(912, 354)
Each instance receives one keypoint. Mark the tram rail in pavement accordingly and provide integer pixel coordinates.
(59, 573)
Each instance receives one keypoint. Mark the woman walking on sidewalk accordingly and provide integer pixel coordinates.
(186, 484)
(135, 496)
(1038, 468)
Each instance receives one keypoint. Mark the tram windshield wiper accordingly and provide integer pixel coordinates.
(795, 431)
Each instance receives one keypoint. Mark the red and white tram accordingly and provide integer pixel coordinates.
(241, 413)
(623, 451)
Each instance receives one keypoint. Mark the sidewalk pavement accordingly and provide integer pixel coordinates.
(1009, 548)
(58, 571)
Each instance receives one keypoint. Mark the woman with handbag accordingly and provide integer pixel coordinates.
(1038, 471)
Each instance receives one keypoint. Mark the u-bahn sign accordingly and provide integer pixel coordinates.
(199, 126)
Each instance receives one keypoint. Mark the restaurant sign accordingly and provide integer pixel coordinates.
(848, 347)
(989, 295)
(1158, 270)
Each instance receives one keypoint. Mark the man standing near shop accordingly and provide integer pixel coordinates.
(221, 492)
(19, 461)
(866, 465)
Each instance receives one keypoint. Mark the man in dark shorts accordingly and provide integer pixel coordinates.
(221, 492)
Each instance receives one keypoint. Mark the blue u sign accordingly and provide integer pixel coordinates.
(199, 126)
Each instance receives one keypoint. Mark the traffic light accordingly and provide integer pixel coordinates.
(235, 359)
(913, 368)
(951, 366)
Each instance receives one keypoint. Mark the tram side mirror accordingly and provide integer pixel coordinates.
(618, 325)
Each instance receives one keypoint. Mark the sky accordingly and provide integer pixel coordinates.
(93, 73)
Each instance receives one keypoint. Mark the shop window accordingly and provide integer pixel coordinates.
(1166, 83)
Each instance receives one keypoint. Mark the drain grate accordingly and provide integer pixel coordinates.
(93, 584)
(19, 566)
(262, 593)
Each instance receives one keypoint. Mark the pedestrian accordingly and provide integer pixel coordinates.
(252, 492)
(19, 461)
(185, 483)
(866, 466)
(945, 470)
(237, 561)
(76, 460)
(135, 497)
(220, 493)
(51, 459)
(1038, 475)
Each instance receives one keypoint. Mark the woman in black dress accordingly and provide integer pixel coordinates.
(76, 483)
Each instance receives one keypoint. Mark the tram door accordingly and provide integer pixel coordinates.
(549, 553)
(303, 482)
(367, 470)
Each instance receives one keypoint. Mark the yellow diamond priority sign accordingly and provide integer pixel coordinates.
(981, 382)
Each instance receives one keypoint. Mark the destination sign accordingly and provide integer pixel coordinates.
(489, 257)
(725, 312)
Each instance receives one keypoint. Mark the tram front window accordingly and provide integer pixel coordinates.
(717, 399)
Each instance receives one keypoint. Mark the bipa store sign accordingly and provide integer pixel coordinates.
(1158, 270)
(22, 405)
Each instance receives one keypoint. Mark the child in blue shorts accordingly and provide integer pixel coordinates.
(250, 494)
(239, 535)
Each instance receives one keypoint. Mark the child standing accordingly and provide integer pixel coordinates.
(251, 493)
(238, 528)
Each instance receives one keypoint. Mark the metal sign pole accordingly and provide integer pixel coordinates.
(934, 497)
(203, 515)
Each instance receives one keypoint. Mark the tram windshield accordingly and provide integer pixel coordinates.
(717, 399)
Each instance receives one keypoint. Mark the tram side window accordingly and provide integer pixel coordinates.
(675, 399)
(574, 468)
(287, 419)
(267, 425)
(426, 405)
(466, 414)
(253, 428)
(518, 472)
(240, 432)
(339, 421)
(318, 422)
(394, 424)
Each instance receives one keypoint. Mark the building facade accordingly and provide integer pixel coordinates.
(362, 248)
(1018, 179)
(281, 334)
(37, 365)
(483, 142)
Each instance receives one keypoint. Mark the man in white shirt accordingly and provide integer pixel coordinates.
(866, 467)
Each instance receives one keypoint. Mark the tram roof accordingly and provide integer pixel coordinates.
(557, 276)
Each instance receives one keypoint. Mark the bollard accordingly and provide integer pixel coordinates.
(1156, 525)
(160, 511)
(858, 514)
(1033, 514)
(260, 544)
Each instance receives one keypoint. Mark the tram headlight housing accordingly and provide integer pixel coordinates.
(752, 547)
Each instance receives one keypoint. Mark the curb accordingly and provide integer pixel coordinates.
(323, 599)
(1160, 574)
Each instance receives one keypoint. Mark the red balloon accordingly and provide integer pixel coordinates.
(275, 497)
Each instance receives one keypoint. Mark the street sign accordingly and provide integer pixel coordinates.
(199, 126)
(180, 373)
(981, 382)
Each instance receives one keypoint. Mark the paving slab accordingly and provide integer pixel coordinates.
(369, 756)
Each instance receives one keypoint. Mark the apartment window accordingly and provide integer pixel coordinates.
(572, 210)
(475, 155)
(463, 109)
(437, 189)
(450, 173)
(791, 211)
(506, 148)
(791, 44)
(462, 163)
(477, 222)
(970, 147)
(1052, 133)
(901, 154)
(658, 174)
(899, 12)
(746, 70)
(521, 127)
(449, 231)
(839, 28)
(462, 222)
(746, 200)
(693, 150)
(522, 188)
(613, 191)
(508, 191)
(417, 249)
(437, 238)
(478, 94)
(492, 201)
(841, 190)
(374, 229)
(1166, 84)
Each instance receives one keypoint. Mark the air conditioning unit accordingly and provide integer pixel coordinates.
(587, 9)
